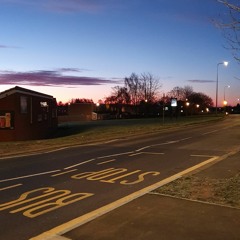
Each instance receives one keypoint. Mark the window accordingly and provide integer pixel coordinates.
(23, 104)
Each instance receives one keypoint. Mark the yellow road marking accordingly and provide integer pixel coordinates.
(68, 226)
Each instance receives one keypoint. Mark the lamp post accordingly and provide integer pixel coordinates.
(225, 64)
(224, 99)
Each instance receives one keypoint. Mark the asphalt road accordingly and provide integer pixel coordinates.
(59, 189)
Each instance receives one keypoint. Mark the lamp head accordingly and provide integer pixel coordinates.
(225, 63)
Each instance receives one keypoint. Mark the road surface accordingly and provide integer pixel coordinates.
(51, 193)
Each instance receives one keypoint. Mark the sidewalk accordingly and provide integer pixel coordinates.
(155, 216)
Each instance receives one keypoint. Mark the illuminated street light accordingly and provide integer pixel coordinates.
(225, 64)
(224, 99)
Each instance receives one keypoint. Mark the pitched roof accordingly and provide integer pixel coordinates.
(18, 89)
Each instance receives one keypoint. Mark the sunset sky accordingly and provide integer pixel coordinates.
(83, 48)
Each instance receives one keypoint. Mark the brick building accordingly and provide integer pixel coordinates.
(26, 114)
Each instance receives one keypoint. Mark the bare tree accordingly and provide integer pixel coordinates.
(142, 88)
(188, 90)
(133, 86)
(149, 87)
(181, 93)
(230, 24)
(122, 95)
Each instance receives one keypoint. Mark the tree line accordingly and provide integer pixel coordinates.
(145, 88)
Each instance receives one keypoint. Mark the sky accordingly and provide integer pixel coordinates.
(83, 48)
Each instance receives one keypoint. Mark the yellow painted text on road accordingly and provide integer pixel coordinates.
(111, 175)
(43, 200)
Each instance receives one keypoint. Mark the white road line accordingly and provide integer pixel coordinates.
(9, 187)
(113, 160)
(62, 173)
(206, 133)
(150, 153)
(135, 154)
(110, 141)
(68, 226)
(160, 144)
(115, 155)
(153, 153)
(208, 156)
(143, 148)
(81, 163)
(28, 176)
(183, 139)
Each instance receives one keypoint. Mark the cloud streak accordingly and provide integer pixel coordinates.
(7, 46)
(200, 81)
(91, 6)
(52, 78)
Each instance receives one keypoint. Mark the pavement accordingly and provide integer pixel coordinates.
(155, 216)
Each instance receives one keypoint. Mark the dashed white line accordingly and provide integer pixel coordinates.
(150, 153)
(62, 173)
(81, 163)
(9, 187)
(115, 155)
(28, 176)
(208, 156)
(206, 133)
(113, 160)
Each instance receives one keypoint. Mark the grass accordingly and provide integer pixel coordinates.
(219, 191)
(78, 133)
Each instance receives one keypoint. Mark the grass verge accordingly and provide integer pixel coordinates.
(218, 191)
(78, 133)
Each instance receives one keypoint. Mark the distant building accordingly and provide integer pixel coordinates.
(26, 114)
(81, 111)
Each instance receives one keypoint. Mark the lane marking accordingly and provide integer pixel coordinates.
(68, 226)
(195, 155)
(150, 153)
(187, 138)
(13, 186)
(113, 160)
(135, 154)
(206, 133)
(160, 144)
(62, 173)
(94, 159)
(115, 155)
(81, 163)
(143, 148)
(28, 176)
(110, 141)
(153, 153)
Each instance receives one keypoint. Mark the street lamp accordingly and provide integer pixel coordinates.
(224, 99)
(225, 64)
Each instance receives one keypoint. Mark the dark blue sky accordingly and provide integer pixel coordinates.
(82, 48)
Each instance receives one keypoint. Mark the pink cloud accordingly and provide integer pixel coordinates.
(51, 78)
(200, 81)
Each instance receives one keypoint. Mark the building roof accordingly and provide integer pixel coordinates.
(25, 91)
